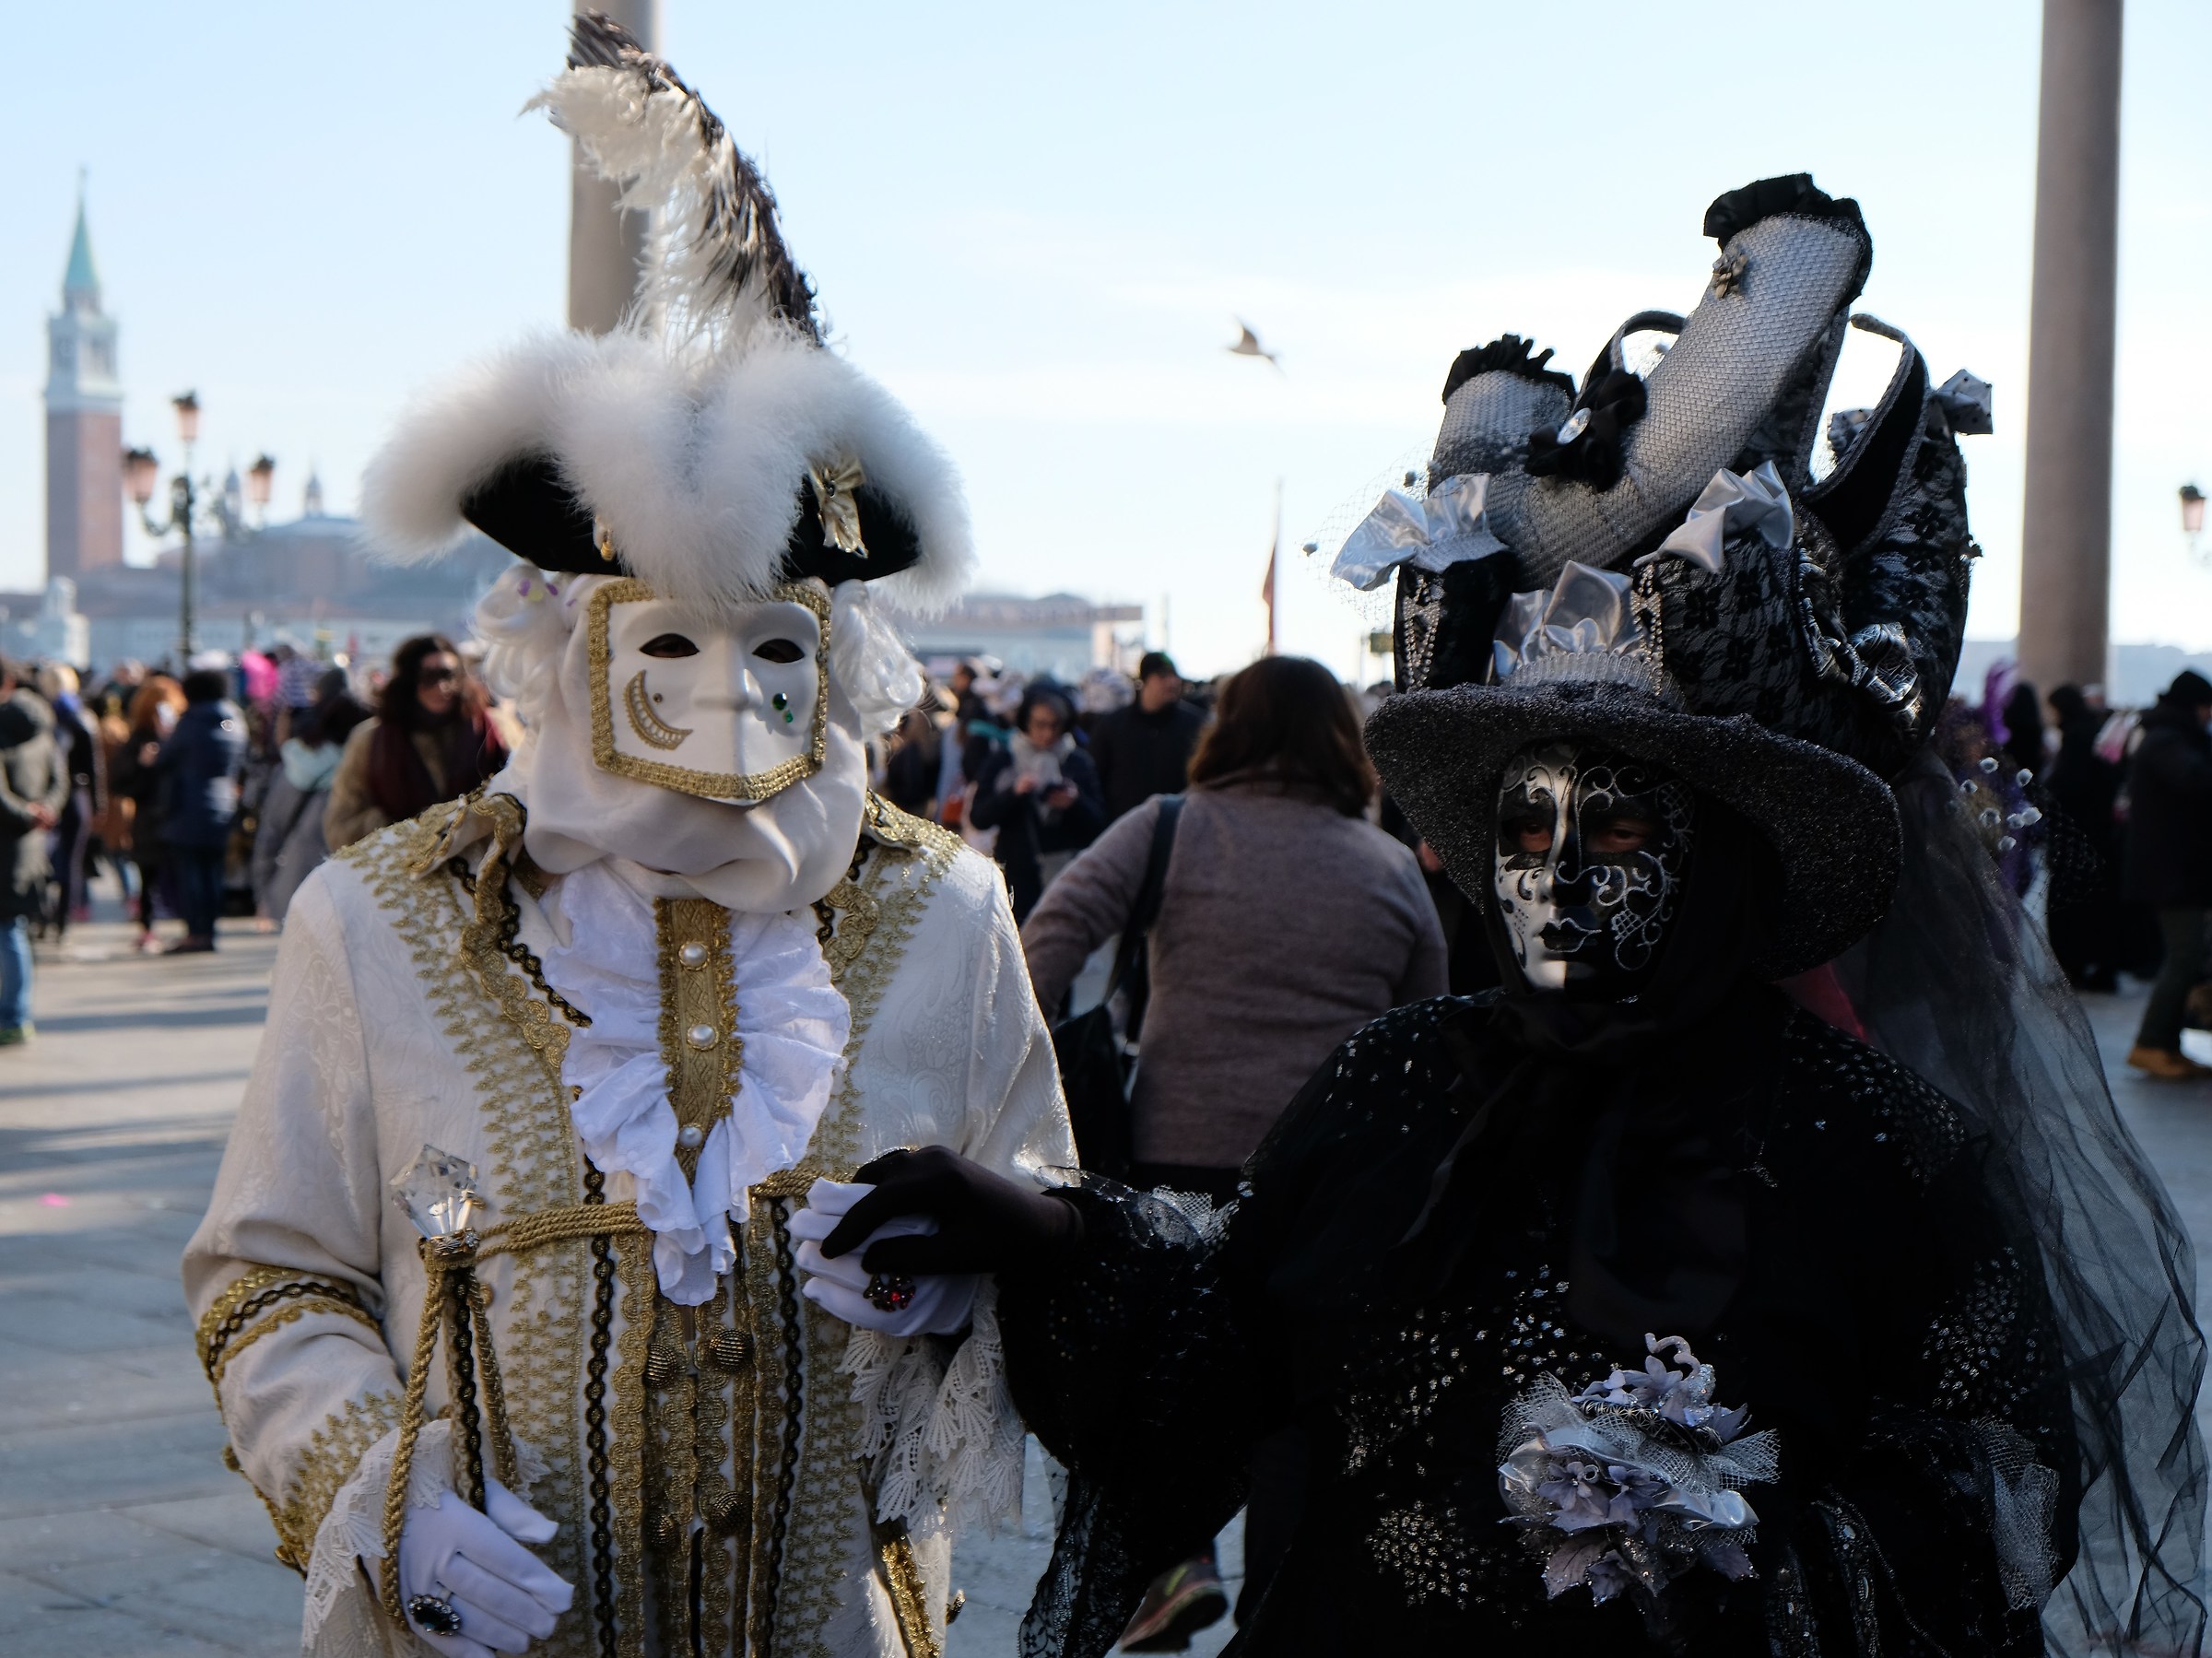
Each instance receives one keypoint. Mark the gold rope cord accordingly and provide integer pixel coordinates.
(523, 1233)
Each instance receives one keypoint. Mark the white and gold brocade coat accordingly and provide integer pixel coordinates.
(751, 1474)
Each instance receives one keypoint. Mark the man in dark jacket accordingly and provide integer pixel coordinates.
(2168, 863)
(34, 785)
(199, 768)
(1144, 749)
(2085, 891)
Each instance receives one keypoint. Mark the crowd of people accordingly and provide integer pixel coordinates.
(216, 792)
(2097, 818)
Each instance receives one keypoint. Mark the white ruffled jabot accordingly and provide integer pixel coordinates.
(792, 1021)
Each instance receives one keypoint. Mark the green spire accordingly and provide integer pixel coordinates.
(82, 281)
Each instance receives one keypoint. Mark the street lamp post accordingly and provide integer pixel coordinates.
(141, 472)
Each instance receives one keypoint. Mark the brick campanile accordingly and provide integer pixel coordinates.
(84, 423)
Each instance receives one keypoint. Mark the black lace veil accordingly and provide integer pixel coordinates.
(1958, 985)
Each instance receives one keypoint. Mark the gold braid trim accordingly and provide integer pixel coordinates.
(909, 1594)
(481, 937)
(265, 1298)
(246, 1284)
(290, 1313)
(626, 1450)
(333, 1453)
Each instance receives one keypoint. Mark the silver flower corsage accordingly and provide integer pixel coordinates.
(1631, 1482)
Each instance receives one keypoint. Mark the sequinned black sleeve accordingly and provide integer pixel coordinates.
(1945, 1527)
(1128, 1369)
(1151, 1367)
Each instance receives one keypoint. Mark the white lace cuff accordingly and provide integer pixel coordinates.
(943, 1442)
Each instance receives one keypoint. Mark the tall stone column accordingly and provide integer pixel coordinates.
(605, 244)
(2066, 551)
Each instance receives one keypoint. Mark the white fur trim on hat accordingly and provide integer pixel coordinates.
(694, 464)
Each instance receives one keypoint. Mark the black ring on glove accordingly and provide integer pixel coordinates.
(889, 1292)
(435, 1613)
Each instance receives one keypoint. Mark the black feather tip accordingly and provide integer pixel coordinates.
(739, 220)
(1508, 354)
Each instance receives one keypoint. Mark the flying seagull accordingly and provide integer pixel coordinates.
(1249, 345)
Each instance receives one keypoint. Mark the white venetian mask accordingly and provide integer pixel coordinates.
(736, 711)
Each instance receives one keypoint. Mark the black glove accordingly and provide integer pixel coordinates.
(985, 1223)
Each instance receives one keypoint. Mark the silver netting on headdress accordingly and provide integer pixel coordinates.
(1713, 389)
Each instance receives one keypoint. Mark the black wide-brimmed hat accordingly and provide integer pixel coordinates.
(1831, 822)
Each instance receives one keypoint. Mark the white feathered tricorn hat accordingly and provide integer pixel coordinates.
(712, 446)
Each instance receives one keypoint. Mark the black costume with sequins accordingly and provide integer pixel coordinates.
(1816, 1220)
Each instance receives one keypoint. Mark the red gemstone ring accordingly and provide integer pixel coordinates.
(890, 1292)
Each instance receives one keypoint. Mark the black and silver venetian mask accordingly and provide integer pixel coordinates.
(1593, 847)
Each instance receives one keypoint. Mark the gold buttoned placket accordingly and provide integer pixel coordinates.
(700, 1362)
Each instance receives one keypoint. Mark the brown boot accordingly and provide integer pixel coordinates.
(2166, 1064)
(2196, 1009)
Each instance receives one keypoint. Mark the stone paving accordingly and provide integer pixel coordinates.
(121, 1534)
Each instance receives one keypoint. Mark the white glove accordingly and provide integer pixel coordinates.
(506, 1597)
(942, 1303)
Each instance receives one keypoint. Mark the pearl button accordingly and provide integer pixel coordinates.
(702, 1036)
(692, 955)
(692, 1137)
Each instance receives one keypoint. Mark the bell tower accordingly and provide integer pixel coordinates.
(84, 422)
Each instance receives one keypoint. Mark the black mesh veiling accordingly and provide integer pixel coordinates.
(1958, 985)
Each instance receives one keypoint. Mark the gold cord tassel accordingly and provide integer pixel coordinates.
(443, 1261)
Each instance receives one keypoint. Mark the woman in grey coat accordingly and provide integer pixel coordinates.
(289, 843)
(1287, 923)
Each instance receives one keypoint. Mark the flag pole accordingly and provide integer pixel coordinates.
(1275, 549)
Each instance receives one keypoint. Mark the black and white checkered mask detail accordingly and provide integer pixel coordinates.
(1592, 850)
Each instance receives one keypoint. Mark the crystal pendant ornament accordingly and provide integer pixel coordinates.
(439, 1193)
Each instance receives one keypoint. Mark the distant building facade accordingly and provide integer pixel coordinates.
(84, 424)
(1059, 635)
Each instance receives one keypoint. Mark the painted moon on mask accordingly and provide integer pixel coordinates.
(733, 709)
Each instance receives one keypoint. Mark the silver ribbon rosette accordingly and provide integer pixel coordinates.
(1447, 527)
(1634, 1480)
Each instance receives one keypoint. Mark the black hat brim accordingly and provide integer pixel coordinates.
(528, 507)
(1832, 823)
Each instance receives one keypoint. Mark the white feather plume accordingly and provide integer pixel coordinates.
(716, 266)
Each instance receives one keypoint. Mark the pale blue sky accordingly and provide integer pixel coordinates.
(1036, 222)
